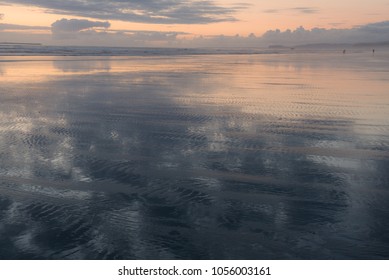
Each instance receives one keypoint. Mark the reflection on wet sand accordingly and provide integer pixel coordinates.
(197, 157)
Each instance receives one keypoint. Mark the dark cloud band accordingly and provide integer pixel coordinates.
(150, 11)
(75, 25)
(299, 10)
(6, 26)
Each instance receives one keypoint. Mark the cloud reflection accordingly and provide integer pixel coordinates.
(189, 158)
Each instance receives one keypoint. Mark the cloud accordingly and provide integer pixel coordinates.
(299, 10)
(149, 36)
(151, 11)
(86, 32)
(128, 38)
(98, 33)
(75, 25)
(70, 28)
(306, 10)
(271, 11)
(374, 28)
(14, 27)
(374, 32)
(369, 33)
(1, 16)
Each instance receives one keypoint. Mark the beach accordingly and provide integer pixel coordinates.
(195, 156)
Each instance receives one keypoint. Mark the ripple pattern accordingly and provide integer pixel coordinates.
(191, 158)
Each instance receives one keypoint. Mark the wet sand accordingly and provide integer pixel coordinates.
(273, 156)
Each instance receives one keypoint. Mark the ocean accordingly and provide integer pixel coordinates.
(193, 154)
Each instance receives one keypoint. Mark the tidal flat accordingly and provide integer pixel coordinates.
(259, 156)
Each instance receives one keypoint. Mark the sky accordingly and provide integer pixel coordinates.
(193, 22)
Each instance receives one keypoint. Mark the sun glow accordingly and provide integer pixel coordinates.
(243, 19)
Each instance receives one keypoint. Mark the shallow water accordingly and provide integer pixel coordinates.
(195, 157)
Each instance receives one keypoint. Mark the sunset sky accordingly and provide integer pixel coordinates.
(160, 22)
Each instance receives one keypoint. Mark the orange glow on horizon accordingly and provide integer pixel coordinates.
(255, 19)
